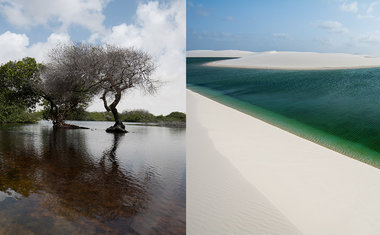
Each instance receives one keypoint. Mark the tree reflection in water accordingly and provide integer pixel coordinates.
(61, 185)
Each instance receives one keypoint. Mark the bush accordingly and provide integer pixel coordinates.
(16, 114)
(137, 116)
(143, 116)
(176, 116)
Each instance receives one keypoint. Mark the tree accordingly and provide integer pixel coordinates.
(69, 80)
(77, 72)
(124, 69)
(17, 93)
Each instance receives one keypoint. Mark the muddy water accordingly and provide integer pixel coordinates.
(90, 181)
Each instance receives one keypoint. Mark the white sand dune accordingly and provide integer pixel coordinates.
(221, 53)
(300, 61)
(245, 176)
(219, 199)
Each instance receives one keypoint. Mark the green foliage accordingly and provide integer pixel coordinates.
(176, 116)
(17, 95)
(98, 116)
(141, 116)
(17, 80)
(45, 113)
(21, 88)
(91, 116)
(77, 113)
(14, 113)
(137, 116)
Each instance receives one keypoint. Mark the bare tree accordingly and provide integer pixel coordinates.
(124, 69)
(77, 72)
(70, 79)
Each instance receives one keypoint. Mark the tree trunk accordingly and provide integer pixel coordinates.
(58, 116)
(118, 122)
(59, 122)
(118, 127)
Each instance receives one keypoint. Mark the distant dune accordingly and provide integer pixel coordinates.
(212, 53)
(299, 61)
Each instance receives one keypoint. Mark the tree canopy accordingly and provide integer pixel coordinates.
(124, 69)
(74, 75)
(17, 79)
(78, 72)
(17, 93)
(69, 80)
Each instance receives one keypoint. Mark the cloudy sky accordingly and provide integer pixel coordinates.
(33, 27)
(287, 25)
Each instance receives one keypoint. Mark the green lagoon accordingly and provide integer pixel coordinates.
(339, 109)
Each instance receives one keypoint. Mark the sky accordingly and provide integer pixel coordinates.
(33, 27)
(284, 25)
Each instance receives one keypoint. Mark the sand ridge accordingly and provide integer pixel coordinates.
(290, 60)
(220, 53)
(317, 190)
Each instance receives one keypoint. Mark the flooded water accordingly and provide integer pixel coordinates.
(90, 181)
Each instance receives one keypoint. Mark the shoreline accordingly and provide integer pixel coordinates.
(289, 60)
(345, 147)
(320, 191)
(214, 64)
(212, 207)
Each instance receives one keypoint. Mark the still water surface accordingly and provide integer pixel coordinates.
(339, 109)
(90, 181)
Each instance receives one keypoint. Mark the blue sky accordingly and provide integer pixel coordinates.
(115, 12)
(320, 26)
(33, 27)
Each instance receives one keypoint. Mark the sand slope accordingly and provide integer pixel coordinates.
(317, 190)
(300, 60)
(221, 53)
(219, 199)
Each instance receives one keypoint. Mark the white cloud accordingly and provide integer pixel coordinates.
(159, 29)
(40, 50)
(16, 46)
(28, 13)
(371, 7)
(372, 12)
(349, 7)
(333, 27)
(370, 38)
(12, 46)
(198, 9)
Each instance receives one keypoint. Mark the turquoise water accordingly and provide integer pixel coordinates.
(339, 109)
